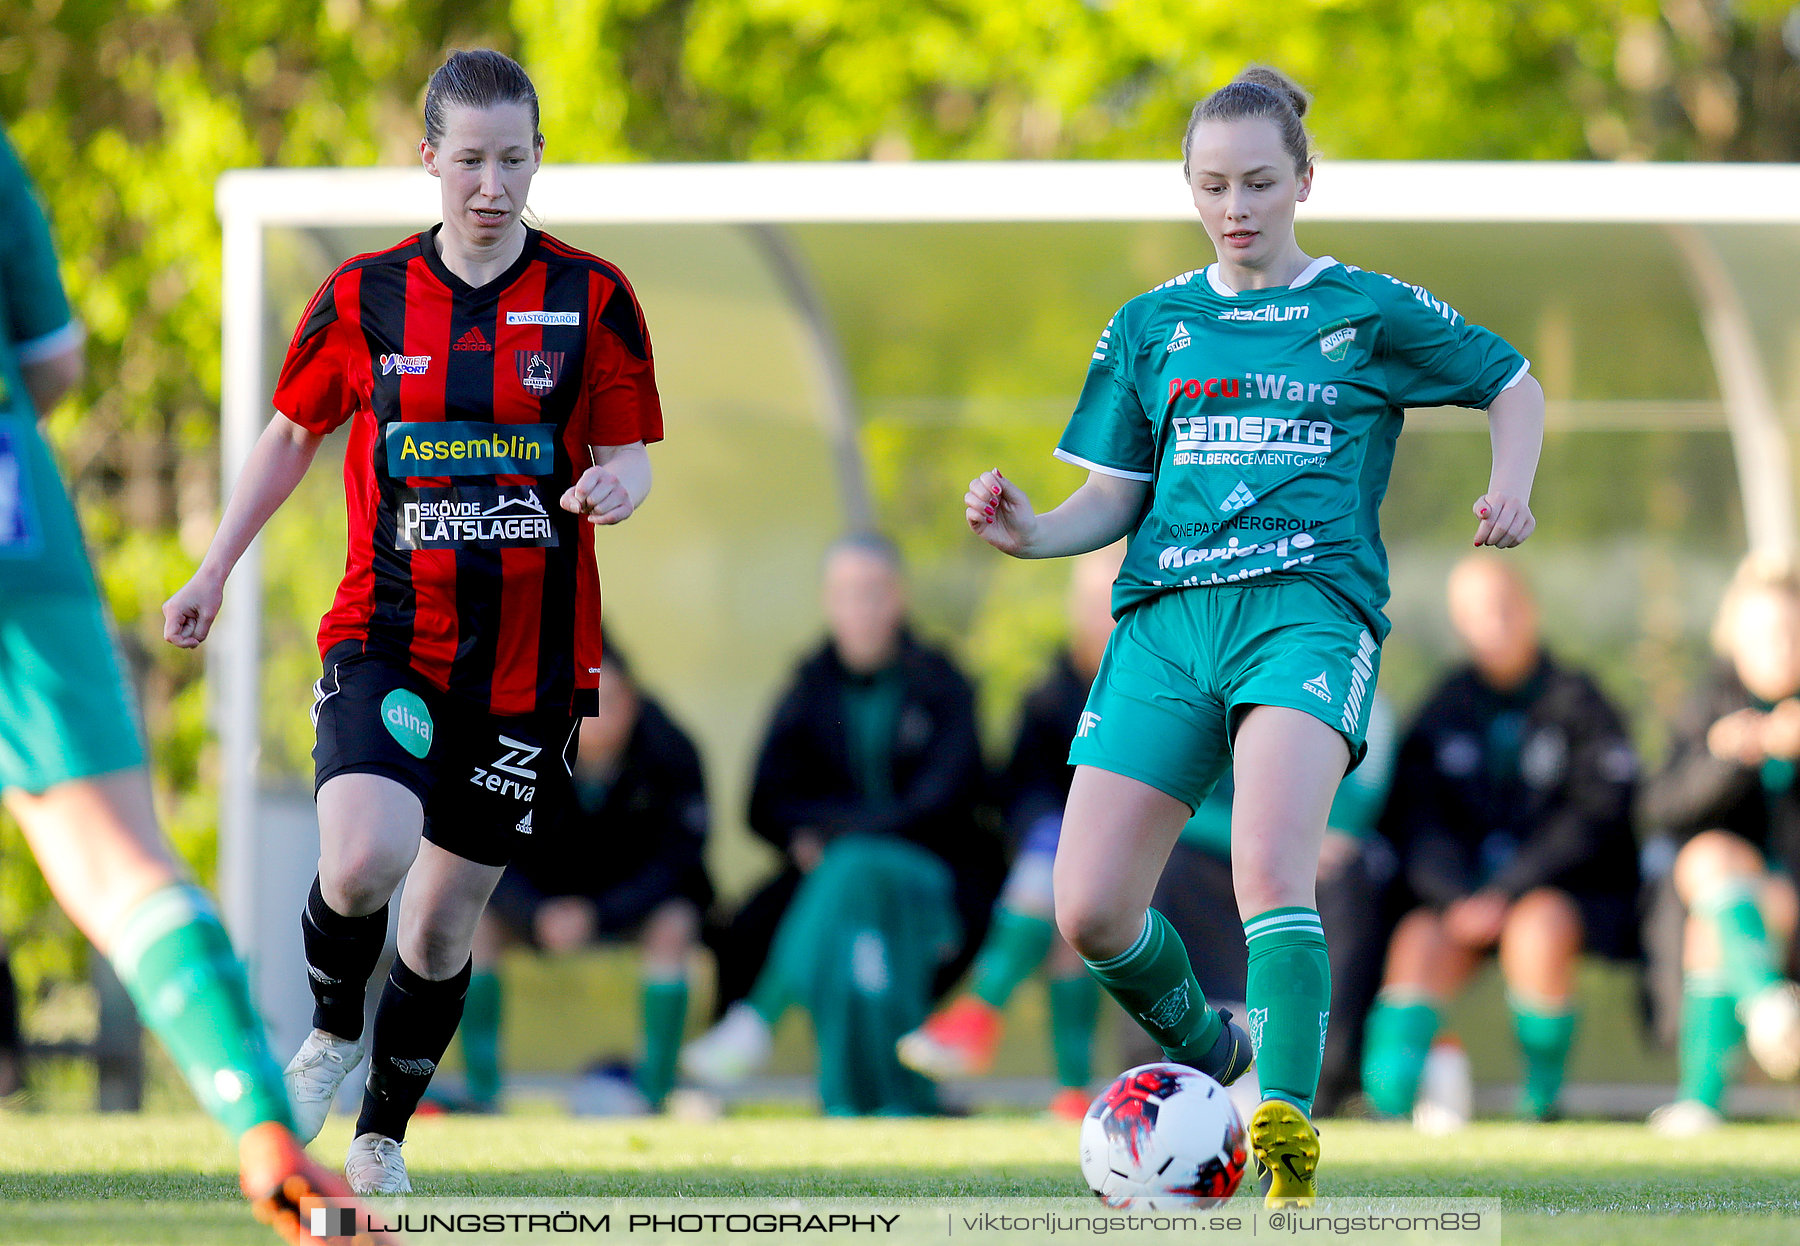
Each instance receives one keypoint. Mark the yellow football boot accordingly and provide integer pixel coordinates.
(1286, 1147)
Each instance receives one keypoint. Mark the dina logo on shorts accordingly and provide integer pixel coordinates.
(408, 721)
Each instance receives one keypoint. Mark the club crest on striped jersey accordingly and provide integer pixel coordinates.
(539, 370)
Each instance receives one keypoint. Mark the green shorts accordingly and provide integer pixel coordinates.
(1182, 669)
(64, 709)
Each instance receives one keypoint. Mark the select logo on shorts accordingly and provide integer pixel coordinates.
(539, 370)
(473, 517)
(543, 317)
(406, 365)
(408, 721)
(1335, 339)
(470, 448)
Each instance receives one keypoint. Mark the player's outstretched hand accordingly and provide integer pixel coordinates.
(188, 615)
(1505, 520)
(599, 497)
(999, 512)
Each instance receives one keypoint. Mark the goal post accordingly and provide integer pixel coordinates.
(770, 289)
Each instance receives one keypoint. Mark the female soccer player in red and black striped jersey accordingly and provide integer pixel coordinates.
(499, 392)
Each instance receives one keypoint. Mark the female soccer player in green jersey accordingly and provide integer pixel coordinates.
(1238, 427)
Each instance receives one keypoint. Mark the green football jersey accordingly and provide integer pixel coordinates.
(1265, 422)
(41, 552)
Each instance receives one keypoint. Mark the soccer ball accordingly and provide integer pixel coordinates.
(1163, 1136)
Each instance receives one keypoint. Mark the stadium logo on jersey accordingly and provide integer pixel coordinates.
(1319, 688)
(1178, 340)
(473, 340)
(473, 517)
(1177, 557)
(539, 370)
(1088, 721)
(406, 365)
(470, 448)
(1335, 339)
(408, 721)
(543, 317)
(1273, 312)
(1362, 674)
(1239, 499)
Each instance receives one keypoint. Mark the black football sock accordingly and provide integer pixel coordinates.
(340, 955)
(414, 1023)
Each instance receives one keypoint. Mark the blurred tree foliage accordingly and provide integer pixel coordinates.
(127, 111)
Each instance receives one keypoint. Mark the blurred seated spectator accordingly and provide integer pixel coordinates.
(625, 864)
(960, 1039)
(1511, 813)
(868, 783)
(1356, 866)
(1730, 795)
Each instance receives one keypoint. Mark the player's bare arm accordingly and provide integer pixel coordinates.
(612, 489)
(277, 463)
(50, 379)
(1098, 513)
(1516, 427)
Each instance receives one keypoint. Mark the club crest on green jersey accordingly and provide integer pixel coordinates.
(1335, 339)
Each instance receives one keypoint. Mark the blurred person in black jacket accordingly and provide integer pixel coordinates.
(1511, 812)
(626, 864)
(874, 740)
(1729, 795)
(960, 1039)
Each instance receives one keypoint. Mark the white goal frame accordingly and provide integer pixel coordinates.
(1682, 199)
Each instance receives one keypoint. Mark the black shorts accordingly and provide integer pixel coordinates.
(487, 781)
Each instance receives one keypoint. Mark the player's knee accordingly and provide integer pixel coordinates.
(1710, 859)
(1095, 929)
(1545, 922)
(1264, 885)
(671, 931)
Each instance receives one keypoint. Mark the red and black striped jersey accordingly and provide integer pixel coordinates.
(471, 410)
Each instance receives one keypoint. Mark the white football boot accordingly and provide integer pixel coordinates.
(1684, 1118)
(731, 1051)
(313, 1076)
(375, 1166)
(1772, 1030)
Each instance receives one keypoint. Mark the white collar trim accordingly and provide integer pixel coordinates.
(1306, 275)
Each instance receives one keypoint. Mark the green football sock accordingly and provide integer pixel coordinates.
(1013, 950)
(665, 1003)
(1710, 1033)
(175, 959)
(1074, 1008)
(1396, 1040)
(1745, 958)
(1545, 1035)
(480, 1033)
(1288, 1001)
(1155, 984)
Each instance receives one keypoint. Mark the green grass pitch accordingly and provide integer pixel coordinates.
(68, 1178)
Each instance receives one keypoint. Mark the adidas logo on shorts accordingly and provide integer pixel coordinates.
(523, 825)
